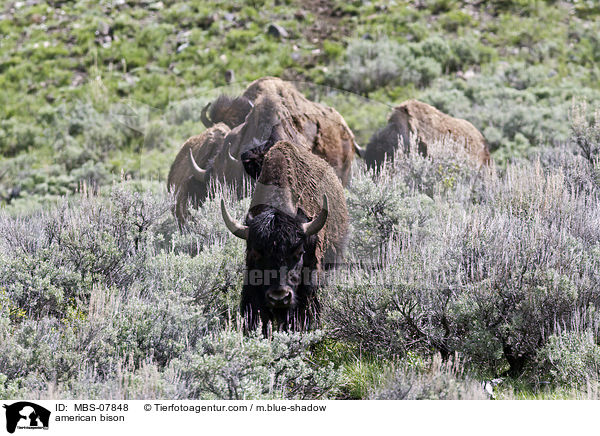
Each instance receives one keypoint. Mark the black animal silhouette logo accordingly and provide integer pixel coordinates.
(26, 415)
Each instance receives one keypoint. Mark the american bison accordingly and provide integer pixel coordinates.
(296, 225)
(233, 111)
(202, 158)
(280, 112)
(429, 126)
(243, 129)
(228, 110)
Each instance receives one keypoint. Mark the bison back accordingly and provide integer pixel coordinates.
(306, 177)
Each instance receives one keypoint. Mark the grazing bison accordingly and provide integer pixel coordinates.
(296, 225)
(280, 112)
(429, 126)
(233, 111)
(202, 158)
(241, 130)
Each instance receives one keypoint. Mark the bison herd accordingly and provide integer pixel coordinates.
(297, 156)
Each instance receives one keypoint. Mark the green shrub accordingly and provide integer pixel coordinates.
(230, 365)
(379, 215)
(586, 134)
(440, 381)
(435, 48)
(489, 273)
(369, 65)
(512, 107)
(571, 359)
(17, 136)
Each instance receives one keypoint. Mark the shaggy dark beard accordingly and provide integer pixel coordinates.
(278, 234)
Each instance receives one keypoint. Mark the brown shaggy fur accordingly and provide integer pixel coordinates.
(429, 126)
(307, 177)
(281, 112)
(228, 110)
(209, 154)
(269, 86)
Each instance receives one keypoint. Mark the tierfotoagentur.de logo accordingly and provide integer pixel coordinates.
(26, 415)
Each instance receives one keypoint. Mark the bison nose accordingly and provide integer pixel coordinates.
(280, 297)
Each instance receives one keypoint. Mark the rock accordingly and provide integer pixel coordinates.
(103, 29)
(183, 37)
(156, 6)
(300, 15)
(469, 74)
(182, 47)
(78, 79)
(229, 17)
(37, 18)
(130, 80)
(277, 31)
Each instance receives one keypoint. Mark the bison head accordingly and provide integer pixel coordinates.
(253, 157)
(280, 262)
(259, 132)
(228, 110)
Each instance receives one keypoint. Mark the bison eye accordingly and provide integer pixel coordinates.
(298, 254)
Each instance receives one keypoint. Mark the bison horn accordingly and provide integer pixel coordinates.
(199, 173)
(360, 151)
(229, 155)
(204, 118)
(234, 227)
(318, 222)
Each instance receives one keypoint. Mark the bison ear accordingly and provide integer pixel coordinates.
(314, 226)
(301, 215)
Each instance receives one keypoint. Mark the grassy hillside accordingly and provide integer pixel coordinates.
(496, 272)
